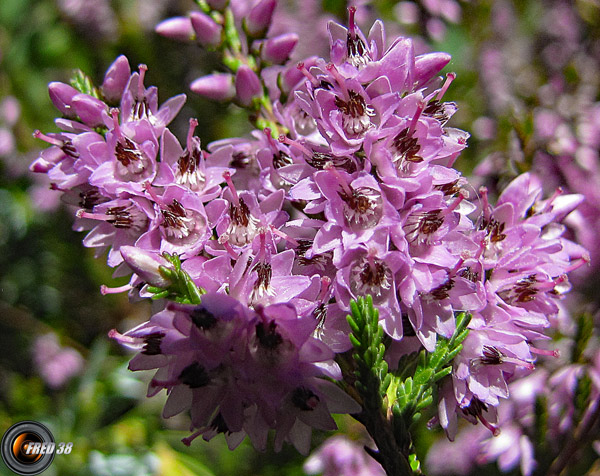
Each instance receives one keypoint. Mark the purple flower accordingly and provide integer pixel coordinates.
(218, 86)
(56, 364)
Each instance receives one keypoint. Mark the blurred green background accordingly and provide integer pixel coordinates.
(49, 283)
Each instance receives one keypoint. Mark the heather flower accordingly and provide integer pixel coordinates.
(208, 33)
(357, 197)
(176, 28)
(122, 222)
(139, 102)
(56, 364)
(190, 167)
(178, 222)
(115, 80)
(147, 265)
(217, 86)
(213, 359)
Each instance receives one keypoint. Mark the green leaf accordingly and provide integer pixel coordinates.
(84, 84)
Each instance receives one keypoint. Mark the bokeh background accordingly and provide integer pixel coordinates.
(527, 82)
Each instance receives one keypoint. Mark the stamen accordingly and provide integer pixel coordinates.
(494, 429)
(325, 283)
(351, 23)
(518, 362)
(227, 177)
(311, 77)
(104, 290)
(187, 441)
(579, 262)
(114, 112)
(483, 191)
(415, 119)
(283, 235)
(115, 334)
(141, 89)
(50, 140)
(193, 125)
(286, 140)
(81, 213)
(548, 205)
(331, 168)
(449, 78)
(549, 353)
(339, 78)
(224, 240)
(457, 201)
(150, 189)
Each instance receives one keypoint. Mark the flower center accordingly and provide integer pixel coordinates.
(405, 148)
(305, 399)
(370, 276)
(262, 286)
(203, 319)
(130, 158)
(356, 113)
(188, 171)
(356, 51)
(363, 206)
(179, 224)
(152, 343)
(128, 217)
(268, 337)
(194, 376)
(243, 227)
(420, 226)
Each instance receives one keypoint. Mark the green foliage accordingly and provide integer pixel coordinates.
(585, 330)
(408, 396)
(182, 289)
(396, 399)
(84, 84)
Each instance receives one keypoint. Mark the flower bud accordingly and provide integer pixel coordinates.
(208, 33)
(116, 79)
(218, 86)
(259, 19)
(428, 65)
(89, 109)
(247, 85)
(277, 50)
(147, 264)
(62, 95)
(176, 28)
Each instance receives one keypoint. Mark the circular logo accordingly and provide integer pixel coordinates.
(23, 446)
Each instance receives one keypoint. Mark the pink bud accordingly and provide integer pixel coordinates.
(176, 28)
(146, 264)
(277, 50)
(247, 85)
(116, 79)
(218, 86)
(207, 31)
(62, 95)
(89, 109)
(428, 65)
(259, 19)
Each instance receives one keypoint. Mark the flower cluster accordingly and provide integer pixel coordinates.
(556, 398)
(350, 191)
